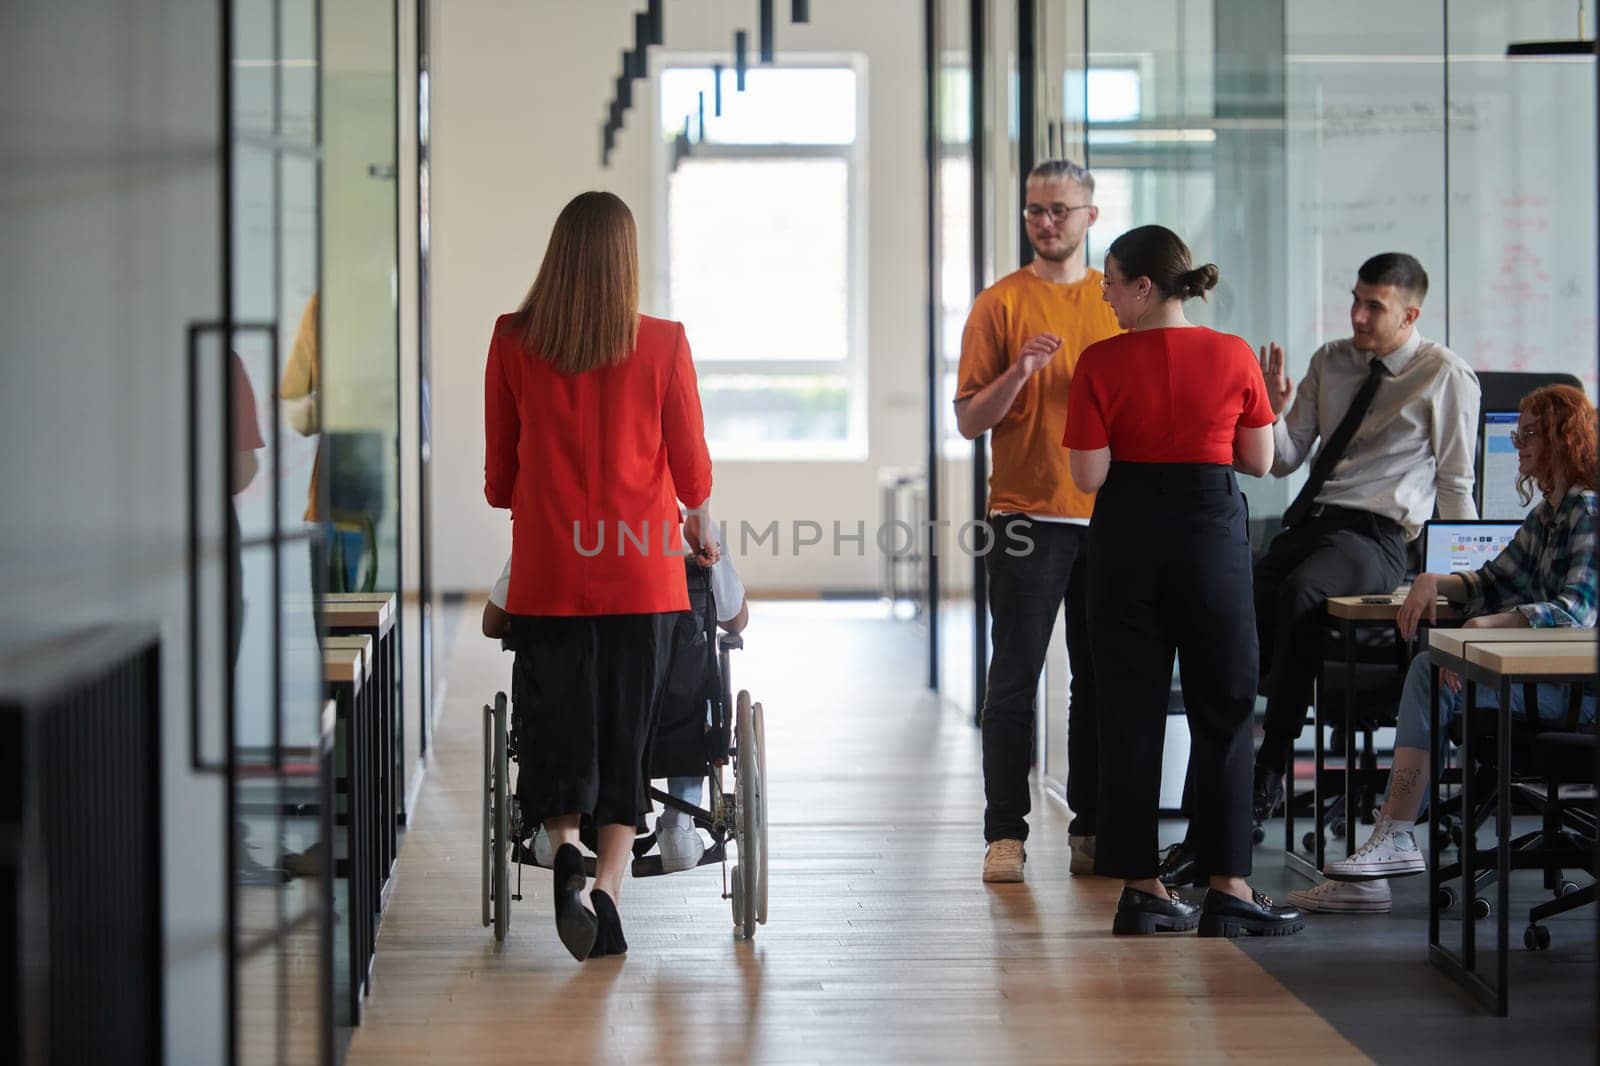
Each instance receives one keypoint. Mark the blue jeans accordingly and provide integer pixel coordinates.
(1412, 729)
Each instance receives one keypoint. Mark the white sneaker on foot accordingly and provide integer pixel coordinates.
(1388, 852)
(1002, 863)
(681, 846)
(1082, 854)
(1345, 897)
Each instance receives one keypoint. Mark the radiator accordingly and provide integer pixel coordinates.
(80, 849)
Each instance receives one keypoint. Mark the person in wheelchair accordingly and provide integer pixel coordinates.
(679, 841)
(1544, 578)
(593, 429)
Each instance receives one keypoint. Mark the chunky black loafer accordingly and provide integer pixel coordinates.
(1140, 914)
(576, 925)
(1229, 916)
(609, 940)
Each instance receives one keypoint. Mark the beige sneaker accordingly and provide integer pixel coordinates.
(1082, 855)
(1002, 863)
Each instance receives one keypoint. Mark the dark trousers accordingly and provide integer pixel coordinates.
(1172, 576)
(1337, 553)
(1034, 567)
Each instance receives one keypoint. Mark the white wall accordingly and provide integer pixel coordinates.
(519, 93)
(110, 219)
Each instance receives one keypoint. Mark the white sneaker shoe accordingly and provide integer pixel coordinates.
(1082, 854)
(1388, 852)
(681, 846)
(1345, 897)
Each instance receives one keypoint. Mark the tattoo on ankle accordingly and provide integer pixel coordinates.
(1404, 782)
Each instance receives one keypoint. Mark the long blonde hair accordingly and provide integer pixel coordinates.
(583, 309)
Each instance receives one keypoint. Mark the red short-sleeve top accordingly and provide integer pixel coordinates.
(593, 467)
(1173, 395)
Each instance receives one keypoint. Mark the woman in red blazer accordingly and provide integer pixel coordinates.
(594, 436)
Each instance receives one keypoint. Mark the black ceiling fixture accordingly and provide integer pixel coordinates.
(800, 11)
(764, 22)
(741, 43)
(716, 88)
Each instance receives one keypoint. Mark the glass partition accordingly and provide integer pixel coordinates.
(280, 923)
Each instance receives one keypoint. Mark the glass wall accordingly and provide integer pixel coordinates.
(360, 313)
(1288, 141)
(279, 920)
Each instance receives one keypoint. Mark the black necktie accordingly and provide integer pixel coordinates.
(1333, 448)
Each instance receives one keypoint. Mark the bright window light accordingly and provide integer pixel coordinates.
(780, 105)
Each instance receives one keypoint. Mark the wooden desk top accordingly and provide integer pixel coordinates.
(343, 665)
(1353, 609)
(1453, 641)
(358, 614)
(1525, 657)
(353, 642)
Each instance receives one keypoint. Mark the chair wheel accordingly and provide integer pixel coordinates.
(1309, 841)
(1336, 827)
(1536, 938)
(1482, 908)
(1258, 833)
(1446, 897)
(1455, 834)
(1566, 888)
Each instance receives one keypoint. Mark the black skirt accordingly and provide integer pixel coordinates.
(587, 690)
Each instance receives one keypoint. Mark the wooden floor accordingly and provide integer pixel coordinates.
(883, 944)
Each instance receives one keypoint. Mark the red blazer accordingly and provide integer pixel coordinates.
(592, 467)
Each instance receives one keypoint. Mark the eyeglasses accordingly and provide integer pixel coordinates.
(1057, 212)
(1522, 436)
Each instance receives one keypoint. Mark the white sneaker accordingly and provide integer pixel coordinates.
(681, 846)
(1345, 897)
(1082, 854)
(1388, 852)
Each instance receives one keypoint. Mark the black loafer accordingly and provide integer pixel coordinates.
(1180, 867)
(1229, 916)
(1140, 914)
(609, 940)
(576, 925)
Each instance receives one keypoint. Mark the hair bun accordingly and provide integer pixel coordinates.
(1201, 280)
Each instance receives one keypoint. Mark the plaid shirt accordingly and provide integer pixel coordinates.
(1547, 572)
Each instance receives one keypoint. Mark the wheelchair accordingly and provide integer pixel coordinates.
(694, 735)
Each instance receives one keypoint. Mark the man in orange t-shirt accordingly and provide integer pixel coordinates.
(1018, 352)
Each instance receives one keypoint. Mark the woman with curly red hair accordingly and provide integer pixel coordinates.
(1544, 578)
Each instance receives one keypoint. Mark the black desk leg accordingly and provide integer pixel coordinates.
(1469, 835)
(1502, 848)
(1435, 816)
(1349, 739)
(1319, 747)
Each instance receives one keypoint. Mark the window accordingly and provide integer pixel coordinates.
(763, 256)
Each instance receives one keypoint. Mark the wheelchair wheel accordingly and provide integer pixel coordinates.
(486, 865)
(759, 721)
(502, 822)
(745, 820)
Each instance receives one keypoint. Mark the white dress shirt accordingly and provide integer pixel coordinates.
(1414, 446)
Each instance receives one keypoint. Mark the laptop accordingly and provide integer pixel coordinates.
(1497, 469)
(1453, 547)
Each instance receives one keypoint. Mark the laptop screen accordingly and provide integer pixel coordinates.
(1498, 489)
(1452, 547)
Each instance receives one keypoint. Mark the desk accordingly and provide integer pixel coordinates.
(1347, 615)
(1502, 659)
(354, 864)
(372, 615)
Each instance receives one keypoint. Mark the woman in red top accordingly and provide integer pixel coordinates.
(1159, 419)
(594, 437)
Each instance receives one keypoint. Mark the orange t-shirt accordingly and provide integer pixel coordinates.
(1030, 469)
